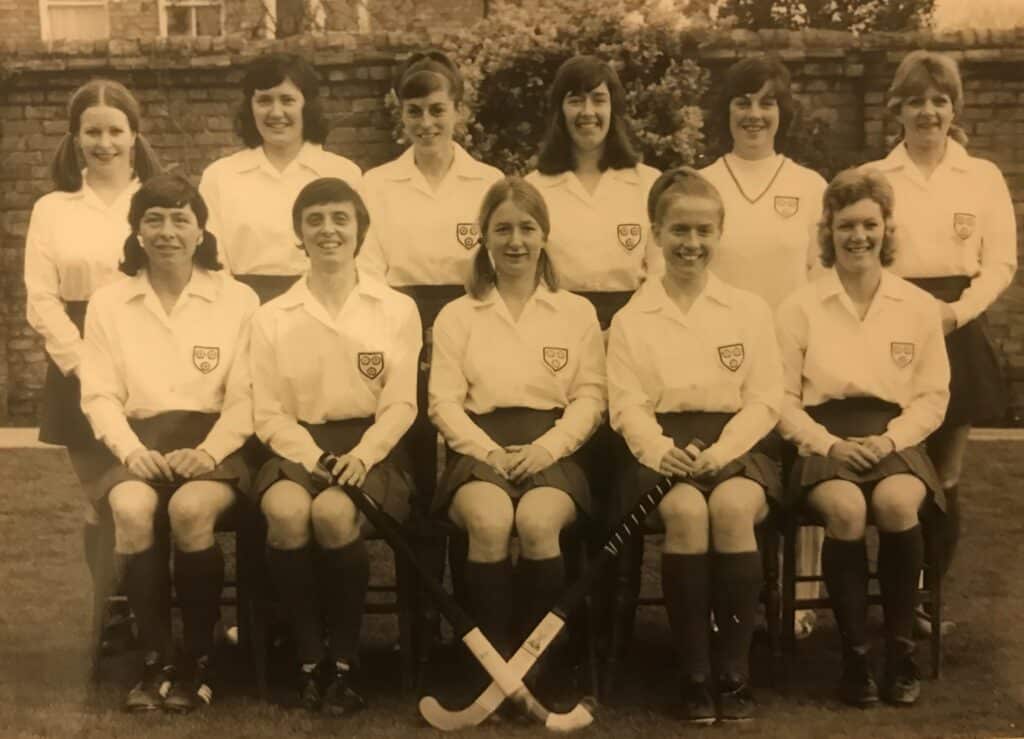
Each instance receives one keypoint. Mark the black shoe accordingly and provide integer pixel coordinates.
(149, 693)
(902, 681)
(118, 634)
(311, 695)
(857, 687)
(341, 699)
(187, 695)
(735, 700)
(698, 705)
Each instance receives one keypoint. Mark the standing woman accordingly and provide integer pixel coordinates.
(424, 206)
(958, 241)
(333, 370)
(690, 356)
(866, 381)
(770, 238)
(74, 241)
(160, 347)
(517, 385)
(250, 193)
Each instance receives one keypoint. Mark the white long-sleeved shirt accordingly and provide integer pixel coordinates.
(601, 241)
(418, 235)
(73, 245)
(960, 221)
(552, 357)
(250, 203)
(896, 353)
(721, 356)
(140, 362)
(309, 367)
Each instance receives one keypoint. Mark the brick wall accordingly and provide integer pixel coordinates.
(189, 91)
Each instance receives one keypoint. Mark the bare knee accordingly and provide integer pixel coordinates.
(335, 519)
(540, 518)
(487, 517)
(734, 508)
(896, 501)
(286, 507)
(685, 515)
(841, 505)
(133, 505)
(193, 512)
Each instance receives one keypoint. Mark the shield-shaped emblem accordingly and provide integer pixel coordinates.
(902, 353)
(963, 224)
(786, 206)
(206, 358)
(556, 357)
(731, 356)
(467, 234)
(371, 364)
(629, 235)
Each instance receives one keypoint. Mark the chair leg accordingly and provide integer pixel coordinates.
(790, 532)
(103, 587)
(405, 584)
(772, 597)
(933, 582)
(432, 550)
(623, 611)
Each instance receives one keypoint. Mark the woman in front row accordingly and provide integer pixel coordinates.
(516, 386)
(333, 370)
(866, 381)
(691, 357)
(160, 348)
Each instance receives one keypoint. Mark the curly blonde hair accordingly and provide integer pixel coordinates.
(846, 188)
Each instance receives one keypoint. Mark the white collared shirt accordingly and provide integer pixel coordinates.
(140, 362)
(896, 353)
(250, 205)
(552, 357)
(960, 221)
(418, 235)
(73, 246)
(601, 241)
(720, 357)
(767, 246)
(307, 366)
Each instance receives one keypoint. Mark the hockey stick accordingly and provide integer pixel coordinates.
(554, 621)
(489, 658)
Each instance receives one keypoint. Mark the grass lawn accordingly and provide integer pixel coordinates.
(45, 604)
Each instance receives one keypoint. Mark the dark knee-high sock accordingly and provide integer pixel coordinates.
(291, 572)
(91, 536)
(487, 593)
(198, 580)
(844, 565)
(951, 530)
(539, 582)
(147, 585)
(347, 570)
(737, 585)
(900, 557)
(685, 583)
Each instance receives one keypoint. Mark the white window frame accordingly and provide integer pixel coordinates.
(164, 5)
(45, 32)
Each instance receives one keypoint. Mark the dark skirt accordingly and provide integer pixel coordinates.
(268, 287)
(388, 482)
(607, 304)
(760, 464)
(165, 433)
(507, 426)
(862, 416)
(977, 388)
(62, 421)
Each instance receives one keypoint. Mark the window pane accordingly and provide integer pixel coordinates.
(179, 21)
(208, 20)
(85, 23)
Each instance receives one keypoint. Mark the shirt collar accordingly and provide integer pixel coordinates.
(202, 284)
(829, 286)
(543, 294)
(630, 175)
(463, 166)
(88, 194)
(311, 156)
(299, 294)
(956, 158)
(651, 297)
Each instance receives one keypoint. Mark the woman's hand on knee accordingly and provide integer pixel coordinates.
(149, 464)
(677, 463)
(189, 463)
(528, 459)
(705, 465)
(349, 470)
(853, 454)
(879, 445)
(501, 461)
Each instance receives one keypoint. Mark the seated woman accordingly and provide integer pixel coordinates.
(333, 365)
(162, 390)
(691, 357)
(866, 382)
(517, 384)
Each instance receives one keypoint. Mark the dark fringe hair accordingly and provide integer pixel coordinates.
(579, 75)
(425, 72)
(522, 193)
(745, 77)
(916, 71)
(681, 181)
(67, 164)
(170, 190)
(269, 71)
(330, 190)
(846, 188)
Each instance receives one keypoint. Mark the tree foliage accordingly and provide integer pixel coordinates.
(860, 16)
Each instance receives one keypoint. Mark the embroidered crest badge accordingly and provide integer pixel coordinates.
(371, 364)
(731, 356)
(467, 234)
(963, 224)
(556, 357)
(786, 206)
(902, 353)
(629, 235)
(206, 358)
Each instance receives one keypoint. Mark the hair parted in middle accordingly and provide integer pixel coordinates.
(331, 190)
(745, 77)
(684, 182)
(425, 72)
(846, 188)
(579, 75)
(527, 197)
(170, 190)
(270, 70)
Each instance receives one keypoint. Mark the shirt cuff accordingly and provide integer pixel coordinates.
(367, 455)
(822, 442)
(553, 443)
(655, 451)
(962, 313)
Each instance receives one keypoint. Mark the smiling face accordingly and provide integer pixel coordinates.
(514, 240)
(753, 122)
(169, 237)
(858, 232)
(106, 139)
(588, 117)
(429, 121)
(926, 118)
(688, 230)
(330, 235)
(278, 114)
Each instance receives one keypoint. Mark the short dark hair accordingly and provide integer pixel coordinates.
(581, 74)
(748, 76)
(331, 190)
(846, 188)
(269, 71)
(684, 181)
(425, 72)
(171, 190)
